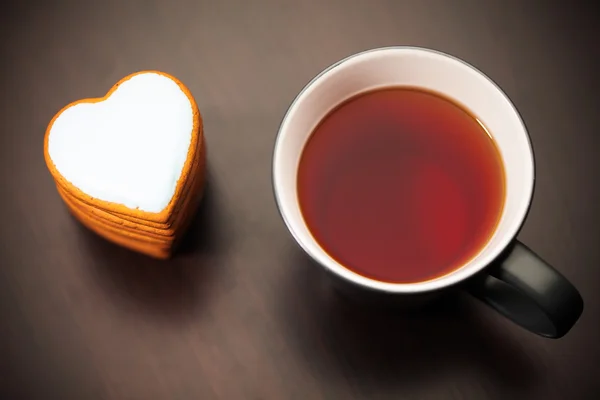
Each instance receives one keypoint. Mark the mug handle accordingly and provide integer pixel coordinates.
(528, 291)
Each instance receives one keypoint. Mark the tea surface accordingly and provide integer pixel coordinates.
(401, 185)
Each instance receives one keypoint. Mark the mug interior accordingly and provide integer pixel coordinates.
(416, 67)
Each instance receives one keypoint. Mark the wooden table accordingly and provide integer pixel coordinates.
(241, 313)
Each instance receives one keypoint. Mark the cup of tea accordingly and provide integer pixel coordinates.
(406, 171)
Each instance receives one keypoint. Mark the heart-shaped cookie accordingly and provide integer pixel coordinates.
(131, 165)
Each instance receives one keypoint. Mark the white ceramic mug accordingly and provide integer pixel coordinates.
(505, 273)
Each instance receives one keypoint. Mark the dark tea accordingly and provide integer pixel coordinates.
(401, 185)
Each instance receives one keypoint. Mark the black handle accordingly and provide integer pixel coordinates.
(524, 288)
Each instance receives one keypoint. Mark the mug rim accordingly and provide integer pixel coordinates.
(390, 287)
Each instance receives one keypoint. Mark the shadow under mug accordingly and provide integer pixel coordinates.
(505, 274)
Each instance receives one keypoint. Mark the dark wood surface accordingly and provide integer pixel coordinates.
(240, 313)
